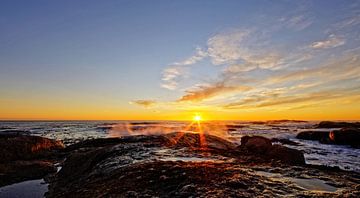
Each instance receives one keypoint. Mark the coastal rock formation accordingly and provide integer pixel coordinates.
(330, 124)
(345, 136)
(182, 165)
(263, 146)
(17, 171)
(313, 135)
(256, 144)
(23, 147)
(25, 157)
(286, 155)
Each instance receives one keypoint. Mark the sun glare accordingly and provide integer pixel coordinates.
(197, 118)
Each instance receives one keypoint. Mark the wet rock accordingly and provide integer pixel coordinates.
(256, 144)
(286, 155)
(141, 166)
(314, 135)
(200, 141)
(346, 136)
(18, 171)
(22, 147)
(330, 124)
(262, 146)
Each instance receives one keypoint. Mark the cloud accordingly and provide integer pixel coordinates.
(144, 103)
(280, 100)
(172, 74)
(335, 79)
(238, 46)
(331, 42)
(198, 56)
(297, 22)
(209, 91)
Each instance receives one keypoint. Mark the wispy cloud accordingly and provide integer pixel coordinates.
(331, 42)
(297, 22)
(315, 84)
(209, 91)
(256, 68)
(241, 46)
(172, 74)
(198, 56)
(144, 103)
(301, 98)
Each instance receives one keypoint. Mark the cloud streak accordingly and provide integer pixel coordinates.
(210, 91)
(144, 103)
(176, 71)
(331, 42)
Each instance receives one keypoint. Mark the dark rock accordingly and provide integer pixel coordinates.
(330, 124)
(21, 147)
(313, 135)
(346, 136)
(286, 155)
(144, 166)
(93, 143)
(18, 171)
(201, 141)
(263, 147)
(256, 144)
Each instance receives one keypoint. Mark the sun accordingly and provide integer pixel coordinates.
(197, 118)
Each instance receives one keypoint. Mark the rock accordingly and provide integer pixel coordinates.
(22, 147)
(199, 141)
(313, 135)
(93, 143)
(18, 171)
(144, 166)
(263, 147)
(286, 155)
(346, 136)
(256, 144)
(330, 124)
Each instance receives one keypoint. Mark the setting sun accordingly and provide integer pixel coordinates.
(197, 118)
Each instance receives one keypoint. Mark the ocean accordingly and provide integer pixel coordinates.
(70, 132)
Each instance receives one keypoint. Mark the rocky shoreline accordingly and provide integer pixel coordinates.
(171, 165)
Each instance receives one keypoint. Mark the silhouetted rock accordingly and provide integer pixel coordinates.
(262, 146)
(201, 141)
(256, 144)
(286, 155)
(21, 147)
(17, 171)
(313, 135)
(346, 136)
(330, 124)
(182, 165)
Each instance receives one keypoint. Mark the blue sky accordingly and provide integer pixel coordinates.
(149, 56)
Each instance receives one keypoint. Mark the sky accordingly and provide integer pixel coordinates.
(169, 60)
